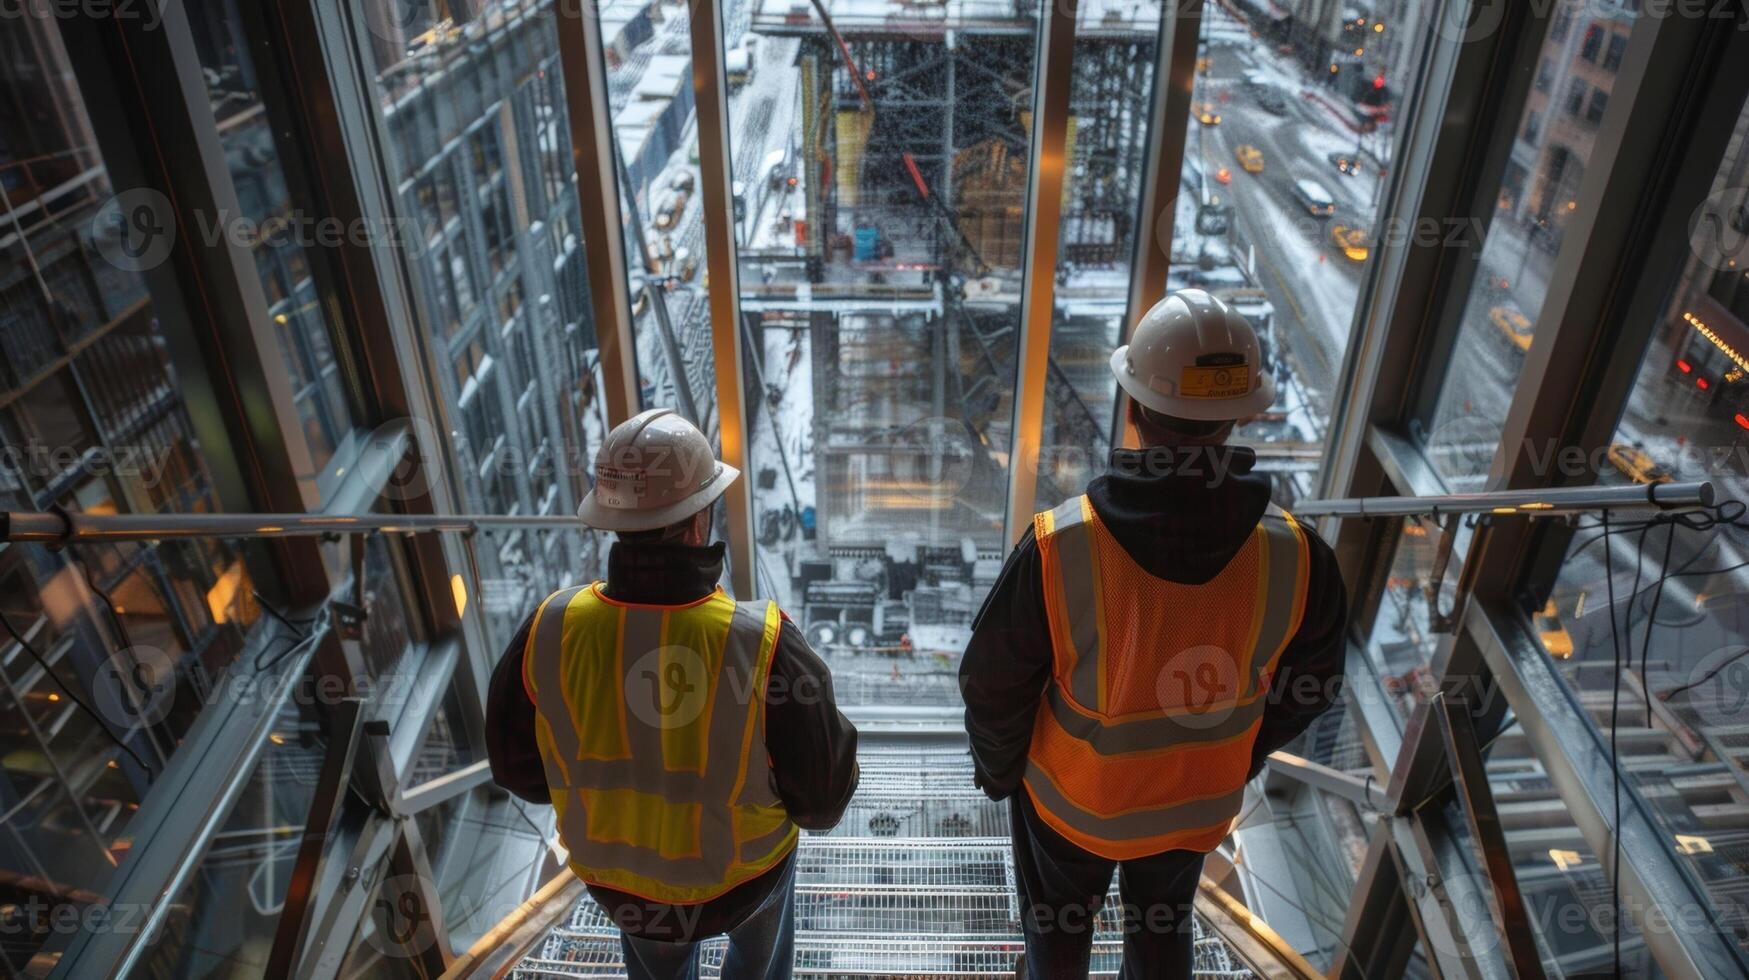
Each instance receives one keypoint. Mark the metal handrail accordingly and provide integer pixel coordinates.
(63, 527)
(1551, 502)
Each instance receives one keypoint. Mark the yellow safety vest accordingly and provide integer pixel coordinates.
(1143, 739)
(651, 727)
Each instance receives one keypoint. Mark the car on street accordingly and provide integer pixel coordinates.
(1345, 163)
(1354, 243)
(1207, 114)
(1314, 197)
(1250, 158)
(1214, 218)
(1552, 632)
(1512, 322)
(1635, 464)
(1224, 176)
(1271, 100)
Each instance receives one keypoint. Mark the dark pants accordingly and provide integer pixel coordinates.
(1062, 888)
(762, 947)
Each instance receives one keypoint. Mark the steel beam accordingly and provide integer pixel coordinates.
(1044, 209)
(593, 150)
(1169, 133)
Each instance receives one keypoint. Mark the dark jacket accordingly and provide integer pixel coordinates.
(811, 744)
(1181, 515)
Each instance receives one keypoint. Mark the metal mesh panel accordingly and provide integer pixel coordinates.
(916, 881)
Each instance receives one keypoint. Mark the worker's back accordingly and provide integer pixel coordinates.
(1158, 687)
(651, 728)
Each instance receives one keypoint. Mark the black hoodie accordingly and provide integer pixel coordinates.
(1181, 514)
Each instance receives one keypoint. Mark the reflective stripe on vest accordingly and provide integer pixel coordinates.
(651, 725)
(1144, 738)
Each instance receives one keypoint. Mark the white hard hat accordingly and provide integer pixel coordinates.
(1193, 357)
(653, 470)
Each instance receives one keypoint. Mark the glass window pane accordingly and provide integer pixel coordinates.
(92, 419)
(1293, 134)
(880, 223)
(1111, 94)
(276, 232)
(479, 145)
(648, 49)
(1539, 193)
(224, 919)
(1565, 887)
(1684, 678)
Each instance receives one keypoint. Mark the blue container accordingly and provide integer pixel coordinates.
(868, 240)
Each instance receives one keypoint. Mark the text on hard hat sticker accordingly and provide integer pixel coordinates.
(1226, 381)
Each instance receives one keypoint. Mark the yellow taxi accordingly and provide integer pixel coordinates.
(1250, 158)
(1207, 114)
(1513, 323)
(1635, 464)
(1552, 633)
(1353, 242)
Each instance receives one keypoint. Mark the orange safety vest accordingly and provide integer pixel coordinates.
(1143, 740)
(651, 727)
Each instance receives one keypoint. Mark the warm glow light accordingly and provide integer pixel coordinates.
(460, 588)
(1717, 341)
(224, 592)
(1693, 844)
(1506, 510)
(1684, 367)
(276, 738)
(1565, 859)
(1742, 421)
(1702, 384)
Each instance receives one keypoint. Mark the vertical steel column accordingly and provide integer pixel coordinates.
(1044, 211)
(711, 97)
(592, 154)
(1168, 133)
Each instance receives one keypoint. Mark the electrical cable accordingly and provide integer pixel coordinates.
(76, 699)
(1615, 768)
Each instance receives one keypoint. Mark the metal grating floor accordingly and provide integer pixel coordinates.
(917, 881)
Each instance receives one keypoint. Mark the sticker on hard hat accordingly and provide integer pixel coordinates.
(615, 487)
(1226, 381)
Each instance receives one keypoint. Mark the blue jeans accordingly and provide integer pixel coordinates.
(762, 947)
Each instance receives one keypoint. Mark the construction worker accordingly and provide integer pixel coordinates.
(1145, 648)
(682, 737)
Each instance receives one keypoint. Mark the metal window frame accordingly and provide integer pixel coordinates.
(710, 90)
